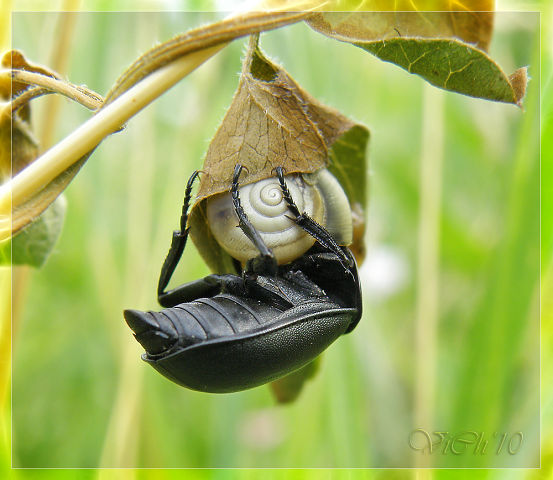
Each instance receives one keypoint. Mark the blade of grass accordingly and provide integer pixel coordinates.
(59, 62)
(428, 263)
(122, 439)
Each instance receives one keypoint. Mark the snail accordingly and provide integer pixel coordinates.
(318, 194)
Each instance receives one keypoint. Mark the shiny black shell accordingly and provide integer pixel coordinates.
(248, 334)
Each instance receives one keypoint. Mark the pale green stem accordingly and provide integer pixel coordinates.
(60, 157)
(428, 261)
(82, 95)
(24, 98)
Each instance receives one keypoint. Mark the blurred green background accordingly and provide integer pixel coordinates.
(449, 340)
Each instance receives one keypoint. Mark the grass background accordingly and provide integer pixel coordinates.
(82, 398)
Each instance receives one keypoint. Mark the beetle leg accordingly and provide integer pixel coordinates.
(178, 242)
(317, 231)
(208, 286)
(265, 263)
(328, 272)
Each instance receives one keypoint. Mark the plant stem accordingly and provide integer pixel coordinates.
(53, 162)
(150, 76)
(85, 97)
(25, 98)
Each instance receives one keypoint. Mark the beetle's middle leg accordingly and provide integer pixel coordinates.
(178, 242)
(265, 263)
(317, 231)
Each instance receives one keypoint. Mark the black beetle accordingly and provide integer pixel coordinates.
(226, 332)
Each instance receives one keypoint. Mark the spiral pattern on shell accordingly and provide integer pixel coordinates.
(264, 205)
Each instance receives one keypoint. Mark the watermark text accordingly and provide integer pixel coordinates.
(466, 442)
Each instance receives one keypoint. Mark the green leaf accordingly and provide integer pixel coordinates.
(451, 65)
(348, 163)
(32, 245)
(287, 389)
(446, 48)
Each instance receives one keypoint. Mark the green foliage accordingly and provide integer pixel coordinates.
(349, 163)
(448, 64)
(32, 245)
(82, 397)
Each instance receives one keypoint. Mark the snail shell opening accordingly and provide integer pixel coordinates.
(318, 195)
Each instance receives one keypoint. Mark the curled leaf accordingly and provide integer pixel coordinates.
(15, 131)
(200, 38)
(15, 60)
(273, 122)
(266, 126)
(18, 81)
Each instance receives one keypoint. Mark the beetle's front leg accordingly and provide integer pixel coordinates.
(265, 263)
(178, 243)
(318, 232)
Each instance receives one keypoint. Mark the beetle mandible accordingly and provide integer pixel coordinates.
(230, 332)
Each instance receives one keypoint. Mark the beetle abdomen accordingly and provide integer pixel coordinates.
(259, 350)
(197, 321)
(246, 361)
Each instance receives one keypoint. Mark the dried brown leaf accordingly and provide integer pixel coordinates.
(199, 39)
(370, 20)
(273, 122)
(265, 127)
(518, 80)
(18, 147)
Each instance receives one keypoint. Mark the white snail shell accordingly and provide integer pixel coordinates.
(318, 194)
